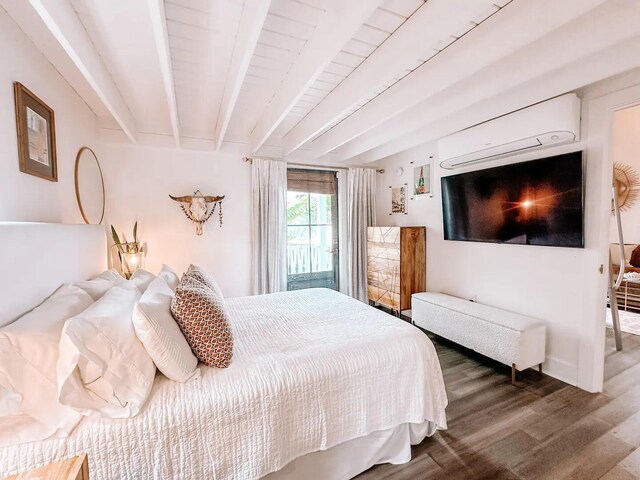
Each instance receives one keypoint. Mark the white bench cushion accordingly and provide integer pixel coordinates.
(507, 337)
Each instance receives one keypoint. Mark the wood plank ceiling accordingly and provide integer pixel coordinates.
(318, 79)
(288, 27)
(199, 71)
(381, 25)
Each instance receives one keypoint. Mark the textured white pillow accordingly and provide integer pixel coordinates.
(141, 279)
(170, 276)
(160, 334)
(29, 407)
(103, 368)
(9, 402)
(98, 286)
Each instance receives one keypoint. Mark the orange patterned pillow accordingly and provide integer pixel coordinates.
(198, 274)
(201, 316)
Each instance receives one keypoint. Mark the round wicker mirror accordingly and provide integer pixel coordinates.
(89, 186)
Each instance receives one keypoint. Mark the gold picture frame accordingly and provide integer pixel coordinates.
(35, 125)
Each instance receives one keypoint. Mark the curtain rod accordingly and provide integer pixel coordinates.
(329, 167)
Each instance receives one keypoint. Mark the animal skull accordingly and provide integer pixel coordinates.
(198, 208)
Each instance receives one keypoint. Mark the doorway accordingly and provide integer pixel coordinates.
(312, 229)
(624, 235)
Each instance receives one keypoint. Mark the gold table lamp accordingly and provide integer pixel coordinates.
(131, 257)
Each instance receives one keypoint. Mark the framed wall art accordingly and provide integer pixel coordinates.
(399, 200)
(35, 124)
(422, 181)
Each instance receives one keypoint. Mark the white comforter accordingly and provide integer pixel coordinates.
(311, 369)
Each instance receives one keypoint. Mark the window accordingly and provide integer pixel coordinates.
(312, 229)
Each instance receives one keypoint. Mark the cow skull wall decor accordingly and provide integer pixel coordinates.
(196, 208)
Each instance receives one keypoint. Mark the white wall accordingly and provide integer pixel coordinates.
(625, 149)
(563, 287)
(25, 197)
(543, 282)
(138, 183)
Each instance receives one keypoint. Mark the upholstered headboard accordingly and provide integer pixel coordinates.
(36, 258)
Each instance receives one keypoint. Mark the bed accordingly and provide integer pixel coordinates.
(316, 376)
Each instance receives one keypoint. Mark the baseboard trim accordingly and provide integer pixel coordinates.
(561, 369)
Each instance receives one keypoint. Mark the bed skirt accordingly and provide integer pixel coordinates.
(348, 459)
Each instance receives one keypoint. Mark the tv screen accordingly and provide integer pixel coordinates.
(531, 203)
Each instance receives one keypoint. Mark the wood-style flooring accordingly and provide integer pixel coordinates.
(544, 429)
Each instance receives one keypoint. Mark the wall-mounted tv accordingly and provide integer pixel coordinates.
(540, 202)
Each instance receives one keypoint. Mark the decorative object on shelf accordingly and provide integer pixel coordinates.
(130, 254)
(422, 181)
(198, 210)
(627, 183)
(36, 129)
(89, 186)
(399, 200)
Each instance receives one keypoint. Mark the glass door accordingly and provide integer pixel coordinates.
(312, 229)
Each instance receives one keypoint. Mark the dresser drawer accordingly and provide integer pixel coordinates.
(384, 297)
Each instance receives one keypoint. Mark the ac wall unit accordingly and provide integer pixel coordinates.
(552, 122)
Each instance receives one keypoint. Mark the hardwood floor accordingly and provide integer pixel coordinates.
(544, 429)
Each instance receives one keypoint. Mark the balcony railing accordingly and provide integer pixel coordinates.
(308, 258)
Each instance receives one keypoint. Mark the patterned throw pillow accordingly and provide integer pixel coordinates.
(201, 316)
(198, 274)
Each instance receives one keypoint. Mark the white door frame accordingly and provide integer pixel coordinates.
(600, 115)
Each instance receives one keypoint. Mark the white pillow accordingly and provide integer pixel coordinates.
(98, 286)
(103, 368)
(29, 407)
(160, 334)
(9, 402)
(141, 279)
(170, 276)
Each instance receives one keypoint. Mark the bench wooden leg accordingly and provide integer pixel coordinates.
(514, 373)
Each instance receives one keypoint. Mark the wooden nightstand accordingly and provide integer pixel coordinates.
(76, 468)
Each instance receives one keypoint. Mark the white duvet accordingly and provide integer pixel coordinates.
(311, 369)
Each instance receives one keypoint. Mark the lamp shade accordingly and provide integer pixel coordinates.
(131, 262)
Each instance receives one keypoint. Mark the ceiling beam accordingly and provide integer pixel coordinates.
(621, 59)
(608, 26)
(254, 14)
(161, 37)
(336, 27)
(61, 22)
(515, 26)
(396, 55)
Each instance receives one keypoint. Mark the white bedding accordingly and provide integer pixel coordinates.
(311, 369)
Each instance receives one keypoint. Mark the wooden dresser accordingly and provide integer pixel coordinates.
(396, 265)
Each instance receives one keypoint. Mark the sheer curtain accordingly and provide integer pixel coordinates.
(361, 213)
(269, 219)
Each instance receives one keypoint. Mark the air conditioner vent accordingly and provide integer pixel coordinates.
(554, 122)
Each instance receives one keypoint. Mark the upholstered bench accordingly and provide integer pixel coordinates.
(510, 338)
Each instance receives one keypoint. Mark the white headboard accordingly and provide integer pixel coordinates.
(36, 258)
